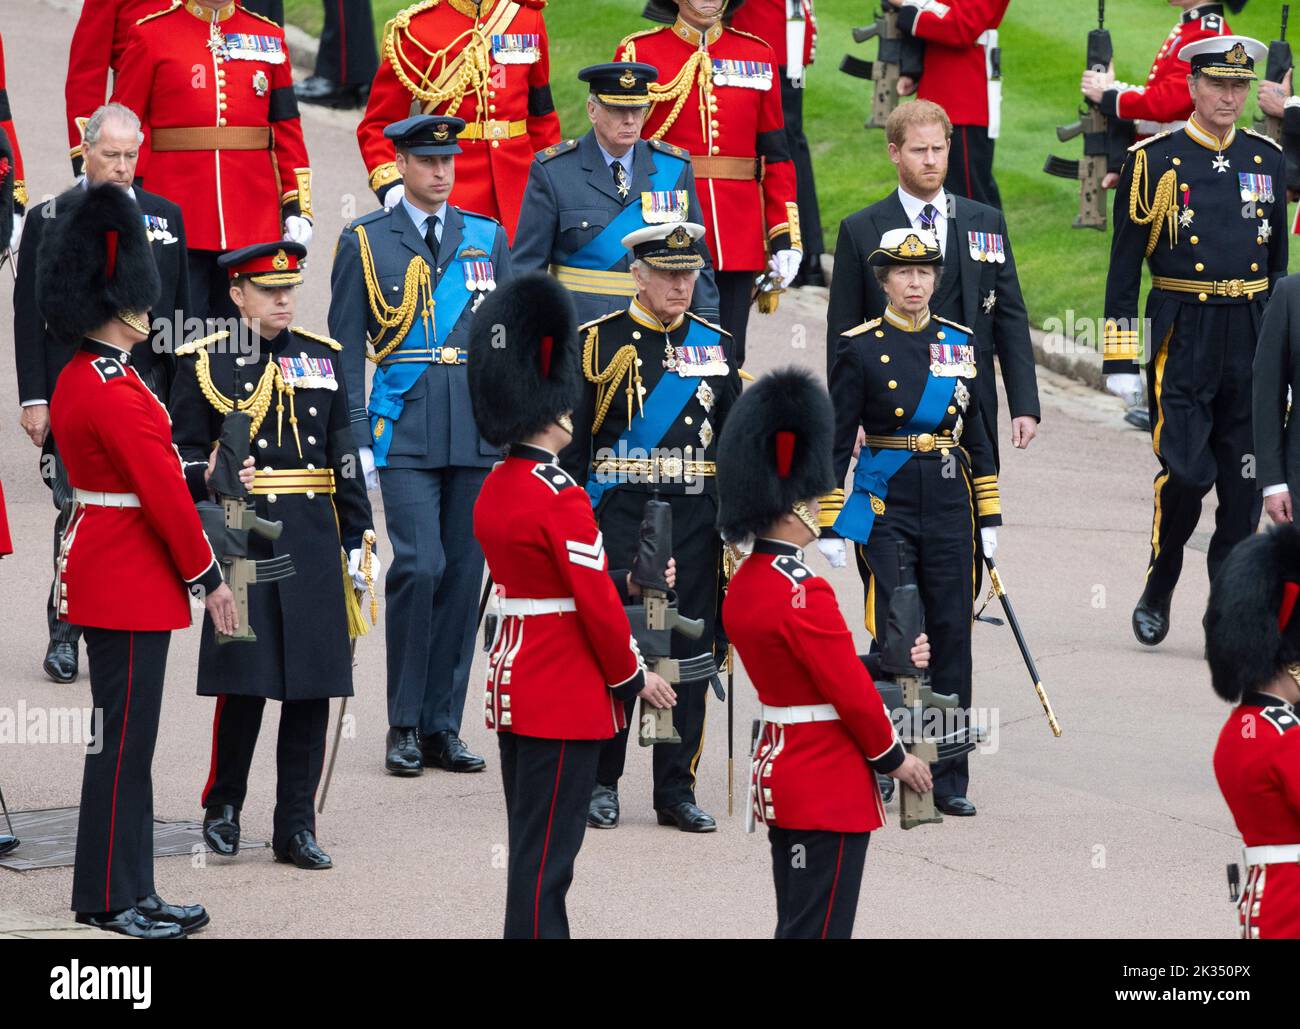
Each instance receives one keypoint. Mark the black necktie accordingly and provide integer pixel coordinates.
(431, 236)
(620, 177)
(929, 215)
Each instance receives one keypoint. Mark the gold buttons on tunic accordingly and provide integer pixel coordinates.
(311, 411)
(1259, 240)
(951, 409)
(1202, 297)
(1200, 267)
(311, 440)
(639, 362)
(689, 420)
(1254, 267)
(1177, 161)
(898, 412)
(1195, 240)
(879, 334)
(939, 334)
(1259, 212)
(636, 334)
(893, 384)
(884, 359)
(1258, 159)
(221, 121)
(1183, 186)
(262, 443)
(717, 149)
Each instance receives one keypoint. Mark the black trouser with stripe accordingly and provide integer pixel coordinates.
(1199, 385)
(810, 216)
(347, 53)
(299, 759)
(674, 764)
(970, 165)
(209, 286)
(548, 786)
(817, 875)
(735, 295)
(113, 868)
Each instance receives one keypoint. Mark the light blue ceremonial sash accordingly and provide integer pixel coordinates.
(872, 475)
(392, 380)
(606, 249)
(659, 411)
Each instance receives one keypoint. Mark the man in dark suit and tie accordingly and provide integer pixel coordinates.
(112, 145)
(979, 289)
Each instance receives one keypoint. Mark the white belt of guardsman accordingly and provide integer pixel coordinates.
(1273, 854)
(98, 499)
(799, 714)
(592, 280)
(520, 607)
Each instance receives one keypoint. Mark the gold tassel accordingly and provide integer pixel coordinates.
(367, 551)
(293, 421)
(769, 301)
(356, 621)
(279, 413)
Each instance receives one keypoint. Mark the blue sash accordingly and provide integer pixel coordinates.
(658, 413)
(450, 298)
(872, 475)
(606, 249)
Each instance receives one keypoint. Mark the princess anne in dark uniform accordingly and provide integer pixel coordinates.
(925, 472)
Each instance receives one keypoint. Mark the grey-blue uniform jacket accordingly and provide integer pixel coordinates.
(572, 197)
(436, 428)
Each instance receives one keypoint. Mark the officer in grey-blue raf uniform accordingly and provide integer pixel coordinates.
(404, 288)
(584, 195)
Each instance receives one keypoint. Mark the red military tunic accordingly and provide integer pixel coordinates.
(6, 544)
(7, 124)
(766, 19)
(726, 125)
(221, 87)
(553, 675)
(1257, 764)
(1165, 101)
(489, 66)
(787, 628)
(956, 54)
(124, 567)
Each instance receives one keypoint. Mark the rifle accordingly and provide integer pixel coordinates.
(1105, 140)
(229, 520)
(898, 55)
(1280, 61)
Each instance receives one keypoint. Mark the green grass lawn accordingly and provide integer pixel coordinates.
(1061, 268)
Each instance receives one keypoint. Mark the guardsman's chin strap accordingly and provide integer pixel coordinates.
(137, 320)
(805, 515)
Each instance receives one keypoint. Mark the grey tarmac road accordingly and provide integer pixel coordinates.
(1114, 830)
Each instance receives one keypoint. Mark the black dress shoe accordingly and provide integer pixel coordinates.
(1151, 618)
(221, 830)
(305, 852)
(60, 662)
(448, 751)
(958, 807)
(7, 843)
(130, 922)
(886, 784)
(688, 817)
(190, 917)
(403, 757)
(602, 813)
(316, 89)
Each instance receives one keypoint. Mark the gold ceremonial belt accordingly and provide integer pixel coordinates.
(1226, 288)
(590, 280)
(923, 443)
(293, 480)
(655, 469)
(708, 167)
(494, 129)
(212, 137)
(440, 355)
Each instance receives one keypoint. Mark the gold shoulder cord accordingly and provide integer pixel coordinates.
(1162, 208)
(623, 363)
(697, 69)
(472, 75)
(256, 405)
(394, 322)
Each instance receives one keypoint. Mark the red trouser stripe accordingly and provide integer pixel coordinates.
(343, 46)
(830, 905)
(117, 775)
(546, 843)
(965, 160)
(212, 765)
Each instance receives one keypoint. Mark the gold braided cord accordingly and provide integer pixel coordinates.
(1162, 209)
(256, 405)
(472, 76)
(698, 69)
(623, 363)
(394, 322)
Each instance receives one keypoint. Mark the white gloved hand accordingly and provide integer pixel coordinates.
(368, 469)
(17, 235)
(834, 551)
(358, 576)
(990, 539)
(786, 264)
(297, 229)
(394, 196)
(1125, 385)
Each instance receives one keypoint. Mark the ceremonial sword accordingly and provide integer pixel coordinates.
(996, 580)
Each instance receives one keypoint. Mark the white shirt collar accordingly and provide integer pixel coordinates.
(419, 217)
(914, 205)
(625, 160)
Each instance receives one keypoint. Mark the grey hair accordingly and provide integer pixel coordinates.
(882, 273)
(115, 112)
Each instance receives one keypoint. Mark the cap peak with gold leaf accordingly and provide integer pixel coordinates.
(1224, 57)
(620, 83)
(427, 135)
(266, 264)
(671, 247)
(906, 246)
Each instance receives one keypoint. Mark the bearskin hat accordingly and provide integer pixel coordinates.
(1252, 622)
(94, 261)
(524, 361)
(665, 11)
(775, 451)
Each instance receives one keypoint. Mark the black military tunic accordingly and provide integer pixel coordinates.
(914, 384)
(685, 407)
(1209, 217)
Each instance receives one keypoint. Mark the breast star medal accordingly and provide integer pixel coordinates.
(260, 82)
(990, 301)
(1221, 163)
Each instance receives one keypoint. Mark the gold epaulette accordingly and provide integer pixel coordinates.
(628, 47)
(407, 13)
(262, 17)
(858, 330)
(705, 321)
(1150, 139)
(1267, 139)
(159, 14)
(332, 344)
(956, 325)
(603, 318)
(742, 32)
(195, 345)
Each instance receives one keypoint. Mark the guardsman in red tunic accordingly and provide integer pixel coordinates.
(18, 203)
(485, 61)
(825, 730)
(131, 550)
(717, 98)
(1252, 642)
(212, 85)
(563, 657)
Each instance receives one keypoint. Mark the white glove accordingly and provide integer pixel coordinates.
(394, 196)
(17, 233)
(990, 538)
(1125, 385)
(786, 264)
(358, 576)
(834, 551)
(297, 229)
(368, 469)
